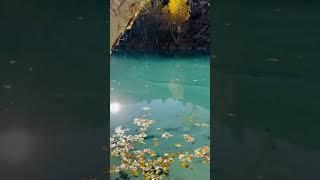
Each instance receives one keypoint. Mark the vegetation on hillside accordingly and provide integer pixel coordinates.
(174, 25)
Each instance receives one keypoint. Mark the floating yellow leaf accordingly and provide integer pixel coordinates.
(206, 159)
(177, 145)
(153, 154)
(183, 164)
(166, 135)
(135, 173)
(188, 138)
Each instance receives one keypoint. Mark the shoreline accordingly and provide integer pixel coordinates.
(163, 52)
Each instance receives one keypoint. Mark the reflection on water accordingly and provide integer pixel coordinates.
(115, 107)
(172, 91)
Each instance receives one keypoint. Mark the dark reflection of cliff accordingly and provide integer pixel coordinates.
(158, 77)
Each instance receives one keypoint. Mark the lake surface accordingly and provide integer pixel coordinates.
(266, 85)
(176, 91)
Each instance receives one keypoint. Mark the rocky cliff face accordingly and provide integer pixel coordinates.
(122, 15)
(151, 32)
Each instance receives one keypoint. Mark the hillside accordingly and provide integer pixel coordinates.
(152, 32)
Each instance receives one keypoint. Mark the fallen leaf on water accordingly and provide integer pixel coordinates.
(177, 145)
(135, 173)
(188, 138)
(166, 135)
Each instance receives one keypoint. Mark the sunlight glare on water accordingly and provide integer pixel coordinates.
(115, 107)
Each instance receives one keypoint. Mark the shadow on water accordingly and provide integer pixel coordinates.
(149, 77)
(266, 90)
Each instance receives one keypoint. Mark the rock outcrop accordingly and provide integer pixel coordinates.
(151, 32)
(122, 15)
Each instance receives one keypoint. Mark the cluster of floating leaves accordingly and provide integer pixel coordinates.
(147, 162)
(144, 124)
(166, 135)
(184, 158)
(188, 138)
(203, 153)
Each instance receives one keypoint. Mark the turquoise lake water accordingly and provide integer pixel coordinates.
(177, 91)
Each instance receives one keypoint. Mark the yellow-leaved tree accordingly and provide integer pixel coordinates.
(177, 12)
